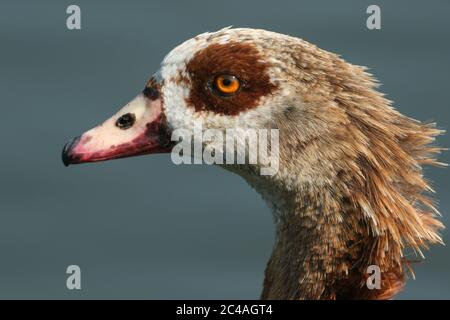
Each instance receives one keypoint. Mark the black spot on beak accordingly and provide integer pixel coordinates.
(126, 121)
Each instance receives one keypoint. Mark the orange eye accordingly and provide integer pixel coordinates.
(227, 84)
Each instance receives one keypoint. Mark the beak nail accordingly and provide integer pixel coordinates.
(67, 151)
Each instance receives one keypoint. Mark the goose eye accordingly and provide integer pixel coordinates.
(226, 84)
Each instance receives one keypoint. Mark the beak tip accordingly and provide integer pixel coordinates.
(66, 155)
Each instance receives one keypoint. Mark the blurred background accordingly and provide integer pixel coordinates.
(143, 227)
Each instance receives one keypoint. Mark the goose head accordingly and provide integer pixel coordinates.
(221, 80)
(348, 192)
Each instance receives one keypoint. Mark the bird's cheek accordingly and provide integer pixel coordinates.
(138, 128)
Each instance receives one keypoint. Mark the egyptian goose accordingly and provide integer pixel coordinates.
(349, 192)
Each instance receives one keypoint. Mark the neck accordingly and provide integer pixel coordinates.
(322, 249)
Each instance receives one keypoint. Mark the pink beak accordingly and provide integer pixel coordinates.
(138, 128)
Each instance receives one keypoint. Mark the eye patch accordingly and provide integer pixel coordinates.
(237, 71)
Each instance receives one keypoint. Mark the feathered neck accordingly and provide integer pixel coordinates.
(326, 238)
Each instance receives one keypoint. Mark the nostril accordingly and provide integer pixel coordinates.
(126, 121)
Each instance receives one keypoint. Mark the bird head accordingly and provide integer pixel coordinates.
(230, 79)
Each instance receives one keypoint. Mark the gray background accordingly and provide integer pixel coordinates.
(143, 227)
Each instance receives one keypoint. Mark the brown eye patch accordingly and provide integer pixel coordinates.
(238, 62)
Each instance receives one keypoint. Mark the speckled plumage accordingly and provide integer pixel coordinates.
(350, 191)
